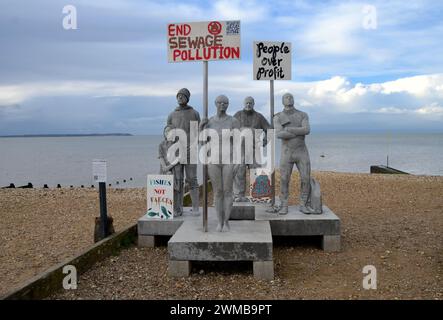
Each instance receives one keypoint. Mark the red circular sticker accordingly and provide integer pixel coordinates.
(214, 27)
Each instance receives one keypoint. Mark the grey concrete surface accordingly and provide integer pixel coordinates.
(243, 211)
(263, 270)
(246, 241)
(296, 223)
(179, 269)
(331, 243)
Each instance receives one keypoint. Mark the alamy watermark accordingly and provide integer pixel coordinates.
(70, 281)
(369, 17)
(232, 146)
(370, 280)
(70, 20)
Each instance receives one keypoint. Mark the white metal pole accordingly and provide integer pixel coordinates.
(205, 166)
(272, 142)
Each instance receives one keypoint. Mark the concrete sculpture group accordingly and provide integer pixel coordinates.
(229, 179)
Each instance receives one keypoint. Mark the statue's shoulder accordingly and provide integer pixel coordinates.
(196, 112)
(304, 114)
(278, 115)
(193, 111)
(238, 114)
(260, 115)
(235, 122)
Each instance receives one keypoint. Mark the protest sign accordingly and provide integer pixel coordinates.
(272, 60)
(203, 41)
(160, 189)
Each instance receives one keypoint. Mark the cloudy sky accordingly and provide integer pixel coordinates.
(112, 74)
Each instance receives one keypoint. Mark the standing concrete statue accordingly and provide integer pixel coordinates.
(222, 174)
(248, 118)
(291, 126)
(181, 118)
(173, 168)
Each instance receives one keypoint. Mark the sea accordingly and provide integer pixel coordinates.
(68, 160)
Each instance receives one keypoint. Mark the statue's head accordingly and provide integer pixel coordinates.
(288, 100)
(248, 104)
(166, 131)
(183, 96)
(222, 103)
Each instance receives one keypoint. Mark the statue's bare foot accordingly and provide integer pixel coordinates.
(226, 226)
(219, 227)
(283, 210)
(273, 209)
(305, 210)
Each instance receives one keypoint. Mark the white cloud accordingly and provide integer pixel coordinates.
(19, 93)
(420, 95)
(418, 85)
(333, 31)
(247, 11)
(433, 109)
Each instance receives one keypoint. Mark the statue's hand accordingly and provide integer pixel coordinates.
(203, 123)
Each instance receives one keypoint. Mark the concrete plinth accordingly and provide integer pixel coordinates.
(160, 227)
(246, 241)
(146, 241)
(148, 228)
(242, 211)
(179, 269)
(263, 270)
(296, 223)
(331, 243)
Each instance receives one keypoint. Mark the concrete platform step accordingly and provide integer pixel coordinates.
(246, 241)
(295, 223)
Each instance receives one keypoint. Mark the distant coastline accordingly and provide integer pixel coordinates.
(67, 135)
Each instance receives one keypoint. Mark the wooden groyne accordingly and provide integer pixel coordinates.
(46, 186)
(386, 170)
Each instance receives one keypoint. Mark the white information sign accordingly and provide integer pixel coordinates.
(203, 41)
(272, 60)
(160, 190)
(99, 170)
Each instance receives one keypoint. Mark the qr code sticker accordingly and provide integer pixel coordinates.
(232, 27)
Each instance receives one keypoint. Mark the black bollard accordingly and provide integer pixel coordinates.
(124, 181)
(117, 182)
(11, 185)
(82, 186)
(45, 186)
(110, 184)
(92, 186)
(71, 186)
(103, 209)
(130, 179)
(58, 185)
